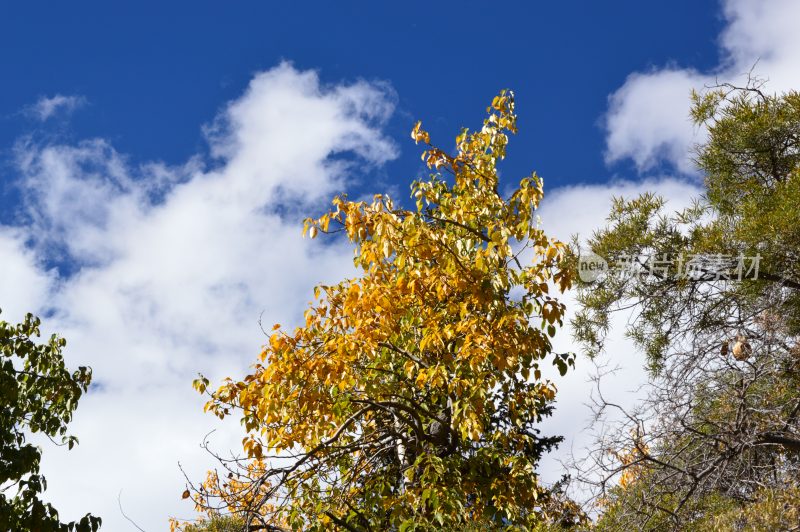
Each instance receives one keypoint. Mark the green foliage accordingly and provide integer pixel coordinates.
(217, 523)
(752, 147)
(752, 161)
(37, 394)
(771, 509)
(722, 442)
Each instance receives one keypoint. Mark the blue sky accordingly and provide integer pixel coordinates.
(153, 73)
(156, 161)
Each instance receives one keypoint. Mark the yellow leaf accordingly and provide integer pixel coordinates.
(426, 322)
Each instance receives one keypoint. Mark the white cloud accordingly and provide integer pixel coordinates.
(24, 284)
(48, 107)
(171, 269)
(175, 264)
(648, 118)
(588, 206)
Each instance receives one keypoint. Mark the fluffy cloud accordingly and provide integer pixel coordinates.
(24, 283)
(164, 272)
(48, 107)
(588, 206)
(648, 119)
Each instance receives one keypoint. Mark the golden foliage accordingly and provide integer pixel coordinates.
(426, 368)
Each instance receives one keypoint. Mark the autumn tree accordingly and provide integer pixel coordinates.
(410, 397)
(37, 395)
(715, 296)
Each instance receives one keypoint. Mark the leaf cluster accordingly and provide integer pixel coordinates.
(719, 432)
(409, 398)
(38, 394)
